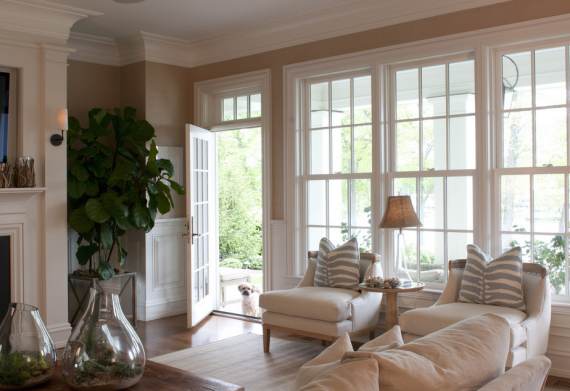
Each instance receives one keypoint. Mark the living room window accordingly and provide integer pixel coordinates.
(433, 150)
(532, 178)
(338, 164)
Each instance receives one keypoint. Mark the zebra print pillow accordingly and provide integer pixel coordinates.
(338, 267)
(493, 281)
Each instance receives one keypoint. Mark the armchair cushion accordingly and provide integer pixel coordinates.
(328, 304)
(493, 282)
(424, 321)
(338, 267)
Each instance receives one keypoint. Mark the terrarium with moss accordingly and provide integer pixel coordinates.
(104, 351)
(27, 353)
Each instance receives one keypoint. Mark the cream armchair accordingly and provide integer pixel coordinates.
(529, 330)
(322, 313)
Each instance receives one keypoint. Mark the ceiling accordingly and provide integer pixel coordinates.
(190, 20)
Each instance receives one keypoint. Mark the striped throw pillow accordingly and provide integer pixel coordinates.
(493, 281)
(338, 267)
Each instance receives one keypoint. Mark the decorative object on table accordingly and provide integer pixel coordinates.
(390, 283)
(6, 175)
(338, 267)
(400, 214)
(62, 124)
(108, 188)
(372, 282)
(25, 173)
(81, 282)
(27, 353)
(103, 352)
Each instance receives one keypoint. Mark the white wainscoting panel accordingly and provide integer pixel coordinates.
(278, 257)
(165, 287)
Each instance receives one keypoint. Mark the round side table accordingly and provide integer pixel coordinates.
(392, 300)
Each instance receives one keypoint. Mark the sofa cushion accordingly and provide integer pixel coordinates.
(493, 281)
(464, 356)
(338, 267)
(328, 304)
(389, 340)
(424, 321)
(329, 358)
(361, 375)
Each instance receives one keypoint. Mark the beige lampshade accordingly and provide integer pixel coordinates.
(400, 213)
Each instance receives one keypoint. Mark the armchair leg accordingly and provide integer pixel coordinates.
(371, 335)
(266, 339)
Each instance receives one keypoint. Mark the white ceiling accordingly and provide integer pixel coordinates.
(190, 20)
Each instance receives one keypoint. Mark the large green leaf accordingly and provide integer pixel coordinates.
(89, 152)
(84, 253)
(130, 113)
(162, 203)
(79, 221)
(75, 188)
(118, 211)
(176, 187)
(142, 150)
(151, 168)
(72, 154)
(79, 171)
(121, 172)
(166, 190)
(91, 187)
(140, 215)
(121, 254)
(166, 165)
(103, 148)
(98, 172)
(73, 125)
(152, 207)
(97, 114)
(127, 153)
(153, 151)
(106, 236)
(95, 211)
(101, 161)
(105, 270)
(141, 131)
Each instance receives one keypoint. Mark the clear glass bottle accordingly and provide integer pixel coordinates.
(104, 352)
(27, 353)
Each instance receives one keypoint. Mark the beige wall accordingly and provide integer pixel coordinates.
(485, 17)
(156, 90)
(92, 85)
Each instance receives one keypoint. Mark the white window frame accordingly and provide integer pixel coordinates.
(208, 96)
(484, 44)
(500, 170)
(393, 173)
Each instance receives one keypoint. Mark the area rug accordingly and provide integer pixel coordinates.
(240, 360)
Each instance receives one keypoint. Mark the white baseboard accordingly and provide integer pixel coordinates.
(60, 334)
(157, 309)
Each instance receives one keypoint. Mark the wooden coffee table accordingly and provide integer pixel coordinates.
(156, 377)
(392, 300)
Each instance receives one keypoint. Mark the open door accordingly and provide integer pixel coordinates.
(200, 224)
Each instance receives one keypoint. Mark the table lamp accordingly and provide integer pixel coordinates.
(400, 214)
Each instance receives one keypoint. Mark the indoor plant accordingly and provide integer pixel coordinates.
(111, 188)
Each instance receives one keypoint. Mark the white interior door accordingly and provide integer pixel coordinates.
(200, 234)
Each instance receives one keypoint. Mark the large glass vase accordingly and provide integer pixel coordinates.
(27, 353)
(104, 352)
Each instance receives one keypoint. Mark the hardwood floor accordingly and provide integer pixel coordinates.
(170, 334)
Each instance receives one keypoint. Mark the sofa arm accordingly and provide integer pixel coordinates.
(309, 277)
(365, 310)
(529, 375)
(451, 290)
(537, 324)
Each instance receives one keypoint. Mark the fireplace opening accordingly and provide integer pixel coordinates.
(5, 298)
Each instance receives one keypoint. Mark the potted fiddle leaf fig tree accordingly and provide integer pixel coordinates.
(111, 187)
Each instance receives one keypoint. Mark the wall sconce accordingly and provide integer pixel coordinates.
(56, 139)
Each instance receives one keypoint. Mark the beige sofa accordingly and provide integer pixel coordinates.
(466, 356)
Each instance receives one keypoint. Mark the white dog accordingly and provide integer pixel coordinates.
(250, 299)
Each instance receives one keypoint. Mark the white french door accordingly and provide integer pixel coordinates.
(201, 210)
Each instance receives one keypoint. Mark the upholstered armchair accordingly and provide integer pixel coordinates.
(529, 330)
(320, 312)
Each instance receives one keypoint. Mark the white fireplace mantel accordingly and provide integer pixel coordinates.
(13, 200)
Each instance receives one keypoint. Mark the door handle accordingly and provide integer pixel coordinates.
(190, 237)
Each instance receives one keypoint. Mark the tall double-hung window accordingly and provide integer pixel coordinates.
(432, 159)
(338, 160)
(531, 181)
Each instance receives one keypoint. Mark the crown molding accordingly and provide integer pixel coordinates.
(37, 21)
(310, 27)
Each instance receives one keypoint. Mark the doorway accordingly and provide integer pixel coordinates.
(240, 216)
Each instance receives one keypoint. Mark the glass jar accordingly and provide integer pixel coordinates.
(104, 352)
(27, 353)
